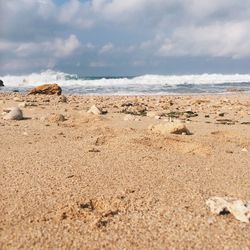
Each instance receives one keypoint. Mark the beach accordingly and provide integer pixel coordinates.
(71, 179)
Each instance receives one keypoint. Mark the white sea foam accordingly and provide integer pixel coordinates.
(67, 80)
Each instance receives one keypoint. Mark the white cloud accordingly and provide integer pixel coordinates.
(75, 13)
(140, 29)
(40, 55)
(106, 48)
(58, 47)
(230, 39)
(64, 48)
(6, 46)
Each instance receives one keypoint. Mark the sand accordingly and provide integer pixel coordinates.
(102, 182)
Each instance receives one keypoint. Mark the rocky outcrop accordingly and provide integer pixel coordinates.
(1, 83)
(46, 89)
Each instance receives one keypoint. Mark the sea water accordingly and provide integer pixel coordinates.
(130, 85)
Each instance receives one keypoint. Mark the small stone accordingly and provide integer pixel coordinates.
(170, 128)
(63, 99)
(94, 110)
(56, 118)
(190, 114)
(14, 114)
(137, 109)
(222, 206)
(244, 150)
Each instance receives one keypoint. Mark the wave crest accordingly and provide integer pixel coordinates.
(69, 80)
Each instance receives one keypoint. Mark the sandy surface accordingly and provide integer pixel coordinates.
(99, 182)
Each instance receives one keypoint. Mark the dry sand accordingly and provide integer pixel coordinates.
(99, 182)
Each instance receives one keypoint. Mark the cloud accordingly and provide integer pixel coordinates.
(106, 48)
(64, 48)
(75, 13)
(122, 33)
(230, 39)
(58, 47)
(47, 54)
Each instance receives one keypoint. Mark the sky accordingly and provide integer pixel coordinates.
(125, 37)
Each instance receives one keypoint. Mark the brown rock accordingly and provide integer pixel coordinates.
(46, 89)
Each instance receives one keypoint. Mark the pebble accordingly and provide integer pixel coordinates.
(222, 206)
(63, 99)
(94, 110)
(56, 118)
(170, 128)
(14, 114)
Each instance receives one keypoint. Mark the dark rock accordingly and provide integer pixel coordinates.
(1, 83)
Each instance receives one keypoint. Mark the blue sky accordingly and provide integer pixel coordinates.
(118, 37)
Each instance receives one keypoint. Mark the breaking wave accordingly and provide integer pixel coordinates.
(124, 85)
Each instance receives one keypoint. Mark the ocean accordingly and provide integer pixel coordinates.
(130, 85)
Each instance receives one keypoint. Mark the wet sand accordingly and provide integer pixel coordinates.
(100, 182)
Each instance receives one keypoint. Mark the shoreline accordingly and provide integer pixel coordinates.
(162, 94)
